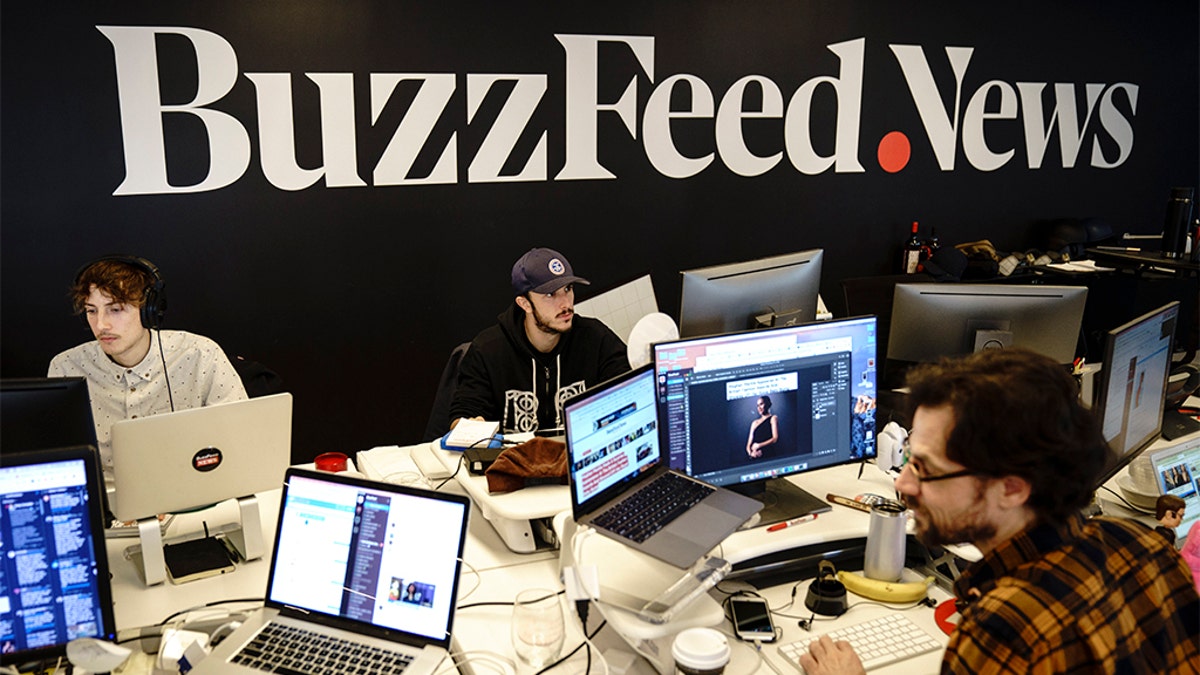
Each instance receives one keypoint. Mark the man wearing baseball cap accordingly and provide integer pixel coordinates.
(540, 353)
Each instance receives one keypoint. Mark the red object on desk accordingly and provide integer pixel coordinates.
(331, 461)
(788, 523)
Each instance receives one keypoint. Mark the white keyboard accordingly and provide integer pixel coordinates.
(878, 642)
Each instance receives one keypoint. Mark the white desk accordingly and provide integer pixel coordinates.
(502, 573)
(136, 606)
(495, 574)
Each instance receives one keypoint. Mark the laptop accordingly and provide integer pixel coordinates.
(614, 452)
(1177, 472)
(197, 457)
(52, 535)
(372, 565)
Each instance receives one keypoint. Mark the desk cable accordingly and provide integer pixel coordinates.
(587, 642)
(755, 648)
(207, 605)
(763, 657)
(478, 581)
(583, 594)
(462, 459)
(1124, 501)
(488, 657)
(494, 660)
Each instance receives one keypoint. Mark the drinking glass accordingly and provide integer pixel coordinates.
(538, 628)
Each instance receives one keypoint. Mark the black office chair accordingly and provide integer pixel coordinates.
(258, 379)
(439, 417)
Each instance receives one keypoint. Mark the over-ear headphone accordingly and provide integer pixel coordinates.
(154, 297)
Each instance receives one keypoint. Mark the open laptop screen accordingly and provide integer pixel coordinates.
(376, 554)
(54, 583)
(612, 436)
(1177, 472)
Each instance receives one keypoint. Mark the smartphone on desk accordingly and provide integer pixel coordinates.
(752, 619)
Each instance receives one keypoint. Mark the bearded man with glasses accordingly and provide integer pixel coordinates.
(1003, 455)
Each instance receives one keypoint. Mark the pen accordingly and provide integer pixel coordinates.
(794, 521)
(846, 501)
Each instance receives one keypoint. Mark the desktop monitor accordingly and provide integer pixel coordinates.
(54, 583)
(934, 320)
(777, 291)
(747, 409)
(45, 412)
(1133, 384)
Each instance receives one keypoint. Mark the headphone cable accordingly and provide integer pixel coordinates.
(163, 356)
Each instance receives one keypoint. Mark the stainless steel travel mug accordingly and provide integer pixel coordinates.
(886, 542)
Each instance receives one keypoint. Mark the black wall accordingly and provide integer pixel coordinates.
(355, 295)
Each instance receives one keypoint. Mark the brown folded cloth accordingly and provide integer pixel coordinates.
(540, 461)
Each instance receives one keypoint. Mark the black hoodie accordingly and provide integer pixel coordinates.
(497, 376)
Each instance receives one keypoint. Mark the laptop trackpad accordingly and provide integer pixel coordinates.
(702, 521)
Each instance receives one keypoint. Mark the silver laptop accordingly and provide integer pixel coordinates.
(371, 567)
(621, 484)
(1177, 472)
(190, 458)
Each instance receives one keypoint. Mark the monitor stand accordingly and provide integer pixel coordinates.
(782, 500)
(246, 536)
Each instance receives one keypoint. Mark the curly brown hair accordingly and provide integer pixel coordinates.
(1018, 413)
(123, 281)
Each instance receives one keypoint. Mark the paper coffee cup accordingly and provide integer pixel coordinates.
(700, 651)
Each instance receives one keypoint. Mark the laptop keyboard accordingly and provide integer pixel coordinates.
(296, 651)
(878, 642)
(652, 507)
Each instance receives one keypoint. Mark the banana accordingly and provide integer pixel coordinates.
(885, 591)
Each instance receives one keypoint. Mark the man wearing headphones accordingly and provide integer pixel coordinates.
(520, 371)
(133, 368)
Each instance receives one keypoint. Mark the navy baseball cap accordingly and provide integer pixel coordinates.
(543, 270)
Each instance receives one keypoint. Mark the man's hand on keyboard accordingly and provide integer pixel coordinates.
(826, 657)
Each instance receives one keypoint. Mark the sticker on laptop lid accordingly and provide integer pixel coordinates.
(207, 459)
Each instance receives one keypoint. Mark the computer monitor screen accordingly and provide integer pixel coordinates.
(747, 409)
(777, 291)
(1133, 384)
(45, 412)
(934, 320)
(54, 583)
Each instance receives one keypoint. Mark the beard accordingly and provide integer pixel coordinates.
(543, 323)
(967, 525)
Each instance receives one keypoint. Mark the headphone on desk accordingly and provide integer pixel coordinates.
(154, 297)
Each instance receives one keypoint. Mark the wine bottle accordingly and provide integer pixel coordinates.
(911, 255)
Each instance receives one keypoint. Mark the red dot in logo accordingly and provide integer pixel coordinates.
(894, 151)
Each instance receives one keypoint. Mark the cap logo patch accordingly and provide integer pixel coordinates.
(556, 266)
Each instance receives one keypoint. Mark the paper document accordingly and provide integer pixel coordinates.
(471, 433)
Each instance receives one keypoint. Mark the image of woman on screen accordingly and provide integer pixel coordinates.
(764, 430)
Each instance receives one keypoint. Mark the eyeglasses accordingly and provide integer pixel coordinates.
(921, 476)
